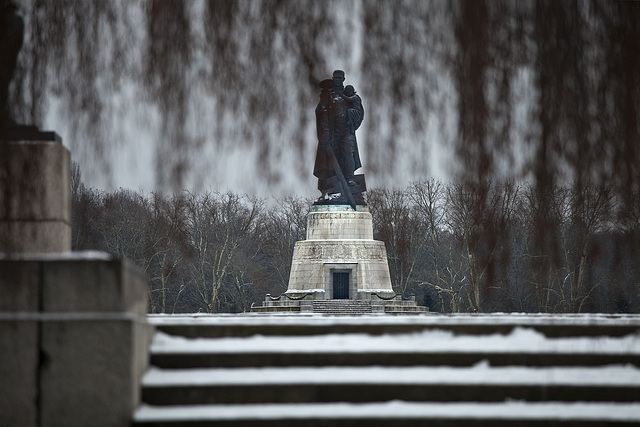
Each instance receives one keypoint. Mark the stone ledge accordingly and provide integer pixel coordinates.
(73, 284)
(338, 208)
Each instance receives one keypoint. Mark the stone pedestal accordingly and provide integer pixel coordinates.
(339, 269)
(35, 202)
(339, 249)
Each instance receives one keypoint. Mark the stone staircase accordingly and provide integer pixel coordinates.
(372, 305)
(503, 370)
(401, 307)
(341, 306)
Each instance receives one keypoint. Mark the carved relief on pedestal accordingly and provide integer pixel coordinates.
(320, 251)
(340, 252)
(376, 251)
(310, 252)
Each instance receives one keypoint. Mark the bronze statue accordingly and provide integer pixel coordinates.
(338, 115)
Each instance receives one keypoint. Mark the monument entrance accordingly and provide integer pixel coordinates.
(340, 285)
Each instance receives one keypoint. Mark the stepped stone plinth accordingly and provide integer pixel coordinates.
(339, 260)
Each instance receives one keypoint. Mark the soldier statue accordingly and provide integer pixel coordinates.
(338, 115)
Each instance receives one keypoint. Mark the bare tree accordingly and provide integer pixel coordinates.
(164, 246)
(429, 198)
(284, 224)
(395, 224)
(479, 218)
(218, 226)
(592, 208)
(123, 227)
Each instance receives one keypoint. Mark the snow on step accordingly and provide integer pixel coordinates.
(521, 340)
(515, 319)
(628, 413)
(481, 374)
(205, 325)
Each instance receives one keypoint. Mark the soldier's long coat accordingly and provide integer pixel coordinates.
(328, 135)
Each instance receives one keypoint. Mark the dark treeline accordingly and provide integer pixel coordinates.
(211, 252)
(458, 247)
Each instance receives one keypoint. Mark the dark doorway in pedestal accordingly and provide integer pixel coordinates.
(340, 285)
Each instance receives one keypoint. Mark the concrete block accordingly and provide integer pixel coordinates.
(87, 376)
(35, 200)
(19, 286)
(19, 373)
(77, 285)
(35, 236)
(35, 179)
